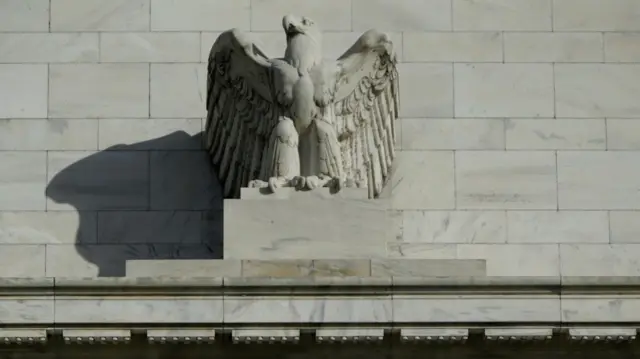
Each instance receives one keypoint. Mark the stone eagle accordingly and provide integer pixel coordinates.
(301, 121)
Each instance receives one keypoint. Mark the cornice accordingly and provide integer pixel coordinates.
(121, 285)
(321, 286)
(333, 310)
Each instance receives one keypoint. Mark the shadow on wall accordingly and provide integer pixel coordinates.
(139, 202)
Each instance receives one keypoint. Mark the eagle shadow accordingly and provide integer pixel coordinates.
(155, 199)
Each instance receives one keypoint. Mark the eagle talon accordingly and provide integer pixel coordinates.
(278, 182)
(350, 183)
(331, 182)
(258, 184)
(320, 181)
(336, 184)
(313, 182)
(299, 182)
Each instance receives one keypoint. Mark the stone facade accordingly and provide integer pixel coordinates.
(391, 316)
(519, 142)
(516, 184)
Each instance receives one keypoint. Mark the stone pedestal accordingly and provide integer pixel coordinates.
(303, 234)
(306, 225)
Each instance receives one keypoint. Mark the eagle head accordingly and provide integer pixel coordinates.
(304, 42)
(294, 25)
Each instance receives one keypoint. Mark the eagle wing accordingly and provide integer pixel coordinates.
(242, 110)
(365, 107)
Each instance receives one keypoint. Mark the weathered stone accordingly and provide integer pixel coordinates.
(621, 47)
(178, 90)
(31, 311)
(597, 90)
(99, 15)
(184, 268)
(402, 15)
(427, 267)
(24, 15)
(52, 227)
(503, 15)
(553, 47)
(558, 227)
(595, 15)
(426, 90)
(49, 47)
(453, 134)
(48, 134)
(598, 180)
(306, 268)
(199, 15)
(454, 227)
(452, 309)
(22, 180)
(424, 180)
(127, 310)
(109, 260)
(123, 90)
(23, 91)
(501, 96)
(298, 228)
(625, 226)
(600, 259)
(150, 47)
(509, 260)
(277, 268)
(551, 134)
(505, 180)
(22, 261)
(341, 267)
(623, 134)
(307, 310)
(452, 46)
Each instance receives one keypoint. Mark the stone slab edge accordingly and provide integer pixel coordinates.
(179, 284)
(244, 305)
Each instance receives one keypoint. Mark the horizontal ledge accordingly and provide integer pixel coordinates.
(177, 285)
(326, 302)
(185, 335)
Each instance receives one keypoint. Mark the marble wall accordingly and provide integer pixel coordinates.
(520, 129)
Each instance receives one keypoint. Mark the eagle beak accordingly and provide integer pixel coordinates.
(290, 25)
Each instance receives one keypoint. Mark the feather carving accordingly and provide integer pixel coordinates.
(242, 110)
(365, 107)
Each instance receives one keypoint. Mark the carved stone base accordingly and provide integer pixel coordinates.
(305, 225)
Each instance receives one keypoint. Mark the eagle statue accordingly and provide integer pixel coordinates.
(301, 121)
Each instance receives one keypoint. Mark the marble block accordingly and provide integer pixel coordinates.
(100, 309)
(428, 267)
(183, 268)
(446, 308)
(284, 309)
(23, 310)
(305, 225)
